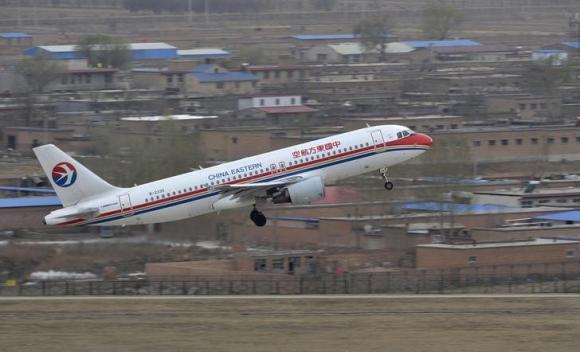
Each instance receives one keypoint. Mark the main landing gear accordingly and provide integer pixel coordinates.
(258, 217)
(385, 175)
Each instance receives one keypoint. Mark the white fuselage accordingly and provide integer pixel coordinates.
(194, 193)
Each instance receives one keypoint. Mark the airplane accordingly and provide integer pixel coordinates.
(295, 175)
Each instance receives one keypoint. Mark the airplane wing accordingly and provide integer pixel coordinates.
(245, 193)
(257, 187)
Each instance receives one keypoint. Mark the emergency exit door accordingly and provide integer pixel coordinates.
(125, 203)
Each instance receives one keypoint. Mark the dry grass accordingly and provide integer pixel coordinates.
(391, 324)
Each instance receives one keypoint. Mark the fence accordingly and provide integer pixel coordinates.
(356, 283)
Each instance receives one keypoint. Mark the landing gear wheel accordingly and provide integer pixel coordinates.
(385, 175)
(258, 218)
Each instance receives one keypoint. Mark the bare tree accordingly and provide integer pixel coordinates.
(373, 33)
(439, 19)
(104, 51)
(39, 71)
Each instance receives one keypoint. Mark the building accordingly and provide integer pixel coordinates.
(140, 52)
(501, 144)
(26, 212)
(13, 43)
(531, 197)
(204, 79)
(480, 53)
(205, 55)
(523, 107)
(247, 265)
(448, 43)
(554, 56)
(153, 124)
(277, 110)
(352, 53)
(528, 252)
(278, 74)
(425, 123)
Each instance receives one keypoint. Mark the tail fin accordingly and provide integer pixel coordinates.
(69, 178)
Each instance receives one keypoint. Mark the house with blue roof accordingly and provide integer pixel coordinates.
(448, 43)
(206, 79)
(139, 51)
(12, 43)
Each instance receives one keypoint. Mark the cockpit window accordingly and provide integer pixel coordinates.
(405, 133)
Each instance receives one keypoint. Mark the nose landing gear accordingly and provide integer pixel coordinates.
(385, 175)
(258, 217)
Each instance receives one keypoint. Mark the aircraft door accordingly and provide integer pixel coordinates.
(125, 203)
(378, 139)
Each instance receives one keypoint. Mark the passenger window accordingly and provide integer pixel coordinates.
(399, 135)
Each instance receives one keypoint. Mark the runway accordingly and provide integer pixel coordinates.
(321, 323)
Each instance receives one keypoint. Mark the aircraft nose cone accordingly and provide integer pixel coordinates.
(425, 140)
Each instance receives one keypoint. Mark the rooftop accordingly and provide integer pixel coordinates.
(573, 215)
(456, 207)
(537, 242)
(11, 35)
(286, 109)
(225, 76)
(441, 43)
(538, 192)
(169, 118)
(29, 202)
(323, 36)
(203, 53)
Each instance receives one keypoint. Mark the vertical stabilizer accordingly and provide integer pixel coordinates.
(70, 179)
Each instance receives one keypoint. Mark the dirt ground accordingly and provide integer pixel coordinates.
(304, 324)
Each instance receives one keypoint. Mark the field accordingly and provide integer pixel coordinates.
(354, 323)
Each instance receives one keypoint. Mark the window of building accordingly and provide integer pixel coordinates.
(491, 142)
(577, 139)
(534, 140)
(260, 265)
(562, 200)
(533, 106)
(564, 139)
(472, 259)
(254, 84)
(290, 74)
(235, 140)
(278, 264)
(576, 200)
(544, 201)
(181, 78)
(237, 84)
(542, 105)
(220, 85)
(570, 253)
(522, 106)
(526, 203)
(277, 74)
(519, 141)
(262, 102)
(476, 143)
(277, 101)
(266, 75)
(169, 78)
(292, 101)
(453, 126)
(88, 78)
(550, 140)
(505, 142)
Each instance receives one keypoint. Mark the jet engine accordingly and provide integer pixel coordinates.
(302, 192)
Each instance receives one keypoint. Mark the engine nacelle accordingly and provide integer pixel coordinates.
(303, 192)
